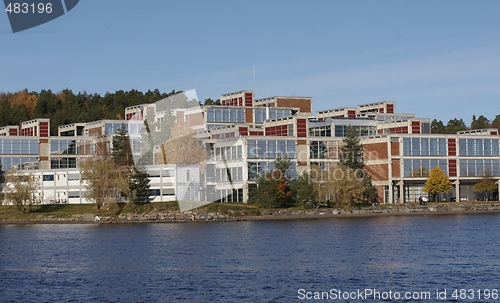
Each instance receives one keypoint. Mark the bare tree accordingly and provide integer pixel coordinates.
(20, 189)
(183, 147)
(105, 181)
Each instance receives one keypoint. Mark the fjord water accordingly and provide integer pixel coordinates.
(259, 261)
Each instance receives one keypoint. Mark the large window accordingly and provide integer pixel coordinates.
(231, 174)
(422, 167)
(232, 153)
(257, 169)
(225, 115)
(18, 147)
(62, 162)
(323, 150)
(23, 163)
(424, 146)
(480, 167)
(361, 130)
(260, 114)
(478, 147)
(62, 147)
(271, 149)
(320, 131)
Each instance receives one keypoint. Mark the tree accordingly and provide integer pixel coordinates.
(370, 191)
(496, 122)
(438, 182)
(122, 151)
(139, 187)
(479, 123)
(455, 126)
(351, 154)
(183, 147)
(302, 187)
(486, 185)
(20, 189)
(273, 188)
(105, 182)
(347, 185)
(437, 127)
(279, 173)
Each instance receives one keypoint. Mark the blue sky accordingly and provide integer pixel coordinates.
(437, 59)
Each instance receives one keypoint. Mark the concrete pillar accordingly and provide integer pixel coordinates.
(457, 190)
(390, 193)
(401, 192)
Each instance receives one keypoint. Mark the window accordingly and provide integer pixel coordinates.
(48, 177)
(73, 194)
(422, 167)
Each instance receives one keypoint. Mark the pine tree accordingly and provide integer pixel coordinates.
(122, 151)
(139, 187)
(351, 155)
(302, 189)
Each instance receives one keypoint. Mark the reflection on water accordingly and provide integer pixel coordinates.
(265, 261)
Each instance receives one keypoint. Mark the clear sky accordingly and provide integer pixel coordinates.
(437, 59)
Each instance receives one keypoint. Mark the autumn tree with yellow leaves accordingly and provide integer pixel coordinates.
(438, 182)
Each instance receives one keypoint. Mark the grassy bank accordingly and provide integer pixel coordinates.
(87, 212)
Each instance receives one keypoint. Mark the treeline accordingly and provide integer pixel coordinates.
(455, 125)
(67, 107)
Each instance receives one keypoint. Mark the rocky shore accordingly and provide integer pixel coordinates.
(268, 214)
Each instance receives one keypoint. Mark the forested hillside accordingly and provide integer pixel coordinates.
(66, 107)
(455, 125)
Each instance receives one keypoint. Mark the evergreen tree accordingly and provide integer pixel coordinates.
(455, 125)
(479, 123)
(122, 151)
(437, 127)
(496, 122)
(370, 191)
(273, 189)
(302, 188)
(139, 187)
(351, 154)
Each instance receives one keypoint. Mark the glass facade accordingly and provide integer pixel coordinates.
(229, 153)
(257, 169)
(63, 147)
(320, 131)
(479, 167)
(62, 162)
(422, 167)
(361, 130)
(478, 147)
(323, 150)
(111, 128)
(424, 147)
(260, 114)
(271, 149)
(235, 115)
(18, 147)
(230, 174)
(28, 163)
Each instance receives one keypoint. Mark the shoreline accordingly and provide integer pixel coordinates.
(268, 214)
